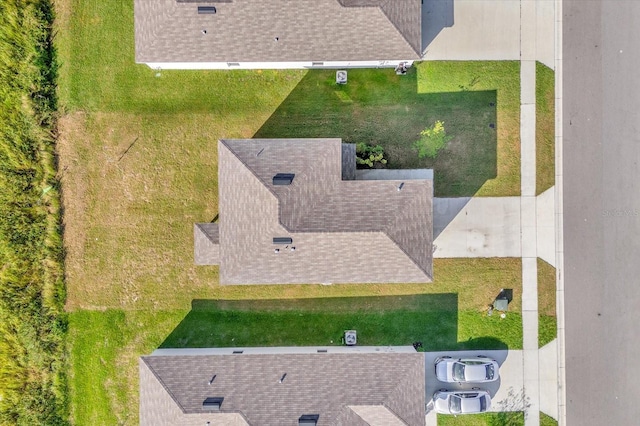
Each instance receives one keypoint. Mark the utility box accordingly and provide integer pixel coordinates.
(350, 338)
(341, 77)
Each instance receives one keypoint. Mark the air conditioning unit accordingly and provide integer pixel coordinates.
(350, 337)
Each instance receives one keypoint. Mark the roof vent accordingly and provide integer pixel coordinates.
(212, 403)
(283, 178)
(308, 419)
(206, 10)
(282, 240)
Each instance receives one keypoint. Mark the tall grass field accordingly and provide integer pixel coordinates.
(32, 321)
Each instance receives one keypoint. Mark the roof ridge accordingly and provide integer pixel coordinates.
(395, 219)
(393, 22)
(206, 234)
(399, 383)
(383, 5)
(150, 368)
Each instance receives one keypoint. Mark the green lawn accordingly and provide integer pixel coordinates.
(105, 345)
(380, 108)
(547, 320)
(515, 418)
(547, 420)
(138, 166)
(545, 128)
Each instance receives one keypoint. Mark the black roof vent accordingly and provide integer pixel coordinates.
(206, 10)
(308, 419)
(283, 178)
(212, 403)
(282, 240)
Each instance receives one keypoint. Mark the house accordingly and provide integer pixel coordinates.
(250, 34)
(350, 386)
(298, 211)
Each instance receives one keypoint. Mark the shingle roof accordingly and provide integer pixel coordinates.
(342, 230)
(306, 30)
(206, 244)
(375, 387)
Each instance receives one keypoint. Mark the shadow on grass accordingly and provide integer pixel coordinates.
(380, 321)
(381, 108)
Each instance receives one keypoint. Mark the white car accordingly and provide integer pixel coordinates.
(480, 369)
(461, 402)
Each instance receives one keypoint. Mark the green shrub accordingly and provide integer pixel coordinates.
(432, 139)
(369, 155)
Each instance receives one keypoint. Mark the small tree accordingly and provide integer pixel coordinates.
(432, 139)
(369, 155)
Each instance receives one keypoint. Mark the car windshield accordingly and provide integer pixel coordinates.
(483, 404)
(454, 404)
(458, 372)
(490, 372)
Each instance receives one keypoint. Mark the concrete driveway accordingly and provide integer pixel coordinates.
(507, 394)
(486, 29)
(476, 227)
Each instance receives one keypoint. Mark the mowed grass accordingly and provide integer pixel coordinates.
(514, 418)
(545, 128)
(547, 320)
(380, 108)
(105, 345)
(546, 420)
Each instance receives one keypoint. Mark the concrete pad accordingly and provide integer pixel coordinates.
(548, 378)
(528, 226)
(431, 419)
(479, 30)
(477, 227)
(531, 385)
(528, 149)
(527, 82)
(528, 17)
(530, 333)
(545, 226)
(529, 284)
(545, 32)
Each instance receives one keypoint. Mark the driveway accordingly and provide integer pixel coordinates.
(476, 227)
(485, 29)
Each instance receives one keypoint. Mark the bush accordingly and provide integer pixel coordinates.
(432, 139)
(369, 155)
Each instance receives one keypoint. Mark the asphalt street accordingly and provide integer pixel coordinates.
(601, 153)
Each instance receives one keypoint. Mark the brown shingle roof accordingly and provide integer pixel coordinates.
(173, 388)
(342, 230)
(307, 30)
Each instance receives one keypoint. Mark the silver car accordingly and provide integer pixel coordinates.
(461, 402)
(480, 369)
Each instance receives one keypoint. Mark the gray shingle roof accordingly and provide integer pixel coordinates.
(342, 230)
(307, 30)
(206, 244)
(375, 387)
